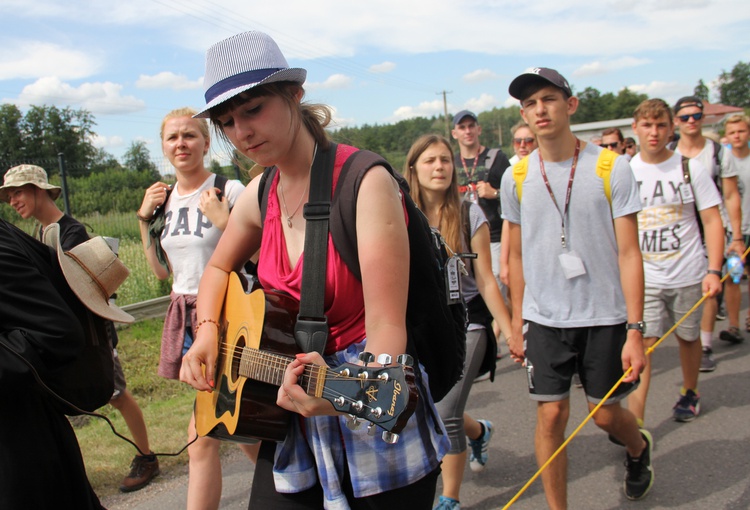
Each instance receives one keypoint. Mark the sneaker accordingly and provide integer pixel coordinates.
(732, 335)
(479, 454)
(482, 377)
(721, 313)
(142, 471)
(707, 361)
(687, 407)
(639, 475)
(446, 503)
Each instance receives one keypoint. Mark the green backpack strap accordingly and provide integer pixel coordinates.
(604, 165)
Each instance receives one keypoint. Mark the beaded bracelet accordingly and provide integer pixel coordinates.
(142, 218)
(201, 323)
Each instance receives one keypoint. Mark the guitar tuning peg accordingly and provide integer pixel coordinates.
(353, 423)
(390, 437)
(371, 429)
(405, 359)
(384, 359)
(366, 357)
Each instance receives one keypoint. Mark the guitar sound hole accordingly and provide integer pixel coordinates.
(237, 357)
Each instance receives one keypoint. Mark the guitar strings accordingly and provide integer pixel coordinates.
(310, 375)
(280, 362)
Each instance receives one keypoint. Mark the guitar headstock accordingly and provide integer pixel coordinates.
(383, 394)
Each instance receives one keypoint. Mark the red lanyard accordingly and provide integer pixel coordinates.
(470, 176)
(570, 187)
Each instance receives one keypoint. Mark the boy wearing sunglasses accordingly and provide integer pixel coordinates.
(613, 140)
(688, 118)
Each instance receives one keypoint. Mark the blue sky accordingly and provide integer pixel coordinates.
(373, 61)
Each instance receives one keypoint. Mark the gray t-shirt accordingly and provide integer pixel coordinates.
(742, 165)
(594, 298)
(468, 282)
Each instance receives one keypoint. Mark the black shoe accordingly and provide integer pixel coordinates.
(732, 335)
(142, 471)
(639, 476)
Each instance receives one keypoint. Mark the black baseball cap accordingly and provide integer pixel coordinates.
(463, 113)
(688, 101)
(537, 74)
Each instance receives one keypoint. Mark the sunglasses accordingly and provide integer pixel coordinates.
(519, 141)
(610, 145)
(695, 116)
(629, 146)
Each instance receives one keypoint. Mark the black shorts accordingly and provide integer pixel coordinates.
(554, 354)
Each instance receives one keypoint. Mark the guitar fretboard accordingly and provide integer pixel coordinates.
(269, 367)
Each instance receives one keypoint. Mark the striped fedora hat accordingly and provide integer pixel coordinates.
(242, 62)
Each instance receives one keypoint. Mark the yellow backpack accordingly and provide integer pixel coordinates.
(604, 166)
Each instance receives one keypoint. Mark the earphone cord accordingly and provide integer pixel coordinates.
(97, 415)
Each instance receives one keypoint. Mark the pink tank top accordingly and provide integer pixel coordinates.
(346, 315)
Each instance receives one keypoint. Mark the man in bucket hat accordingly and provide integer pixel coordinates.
(43, 332)
(27, 190)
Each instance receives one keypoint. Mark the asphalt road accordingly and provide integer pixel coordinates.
(703, 464)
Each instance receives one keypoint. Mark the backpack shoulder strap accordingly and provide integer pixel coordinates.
(686, 171)
(263, 190)
(718, 149)
(604, 165)
(343, 221)
(491, 157)
(221, 183)
(520, 170)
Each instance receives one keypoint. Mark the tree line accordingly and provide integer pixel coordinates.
(44, 135)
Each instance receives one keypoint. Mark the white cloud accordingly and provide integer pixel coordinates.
(98, 98)
(33, 59)
(333, 82)
(666, 90)
(107, 142)
(384, 67)
(511, 101)
(606, 66)
(167, 80)
(481, 103)
(424, 109)
(479, 75)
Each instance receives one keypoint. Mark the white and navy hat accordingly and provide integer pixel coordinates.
(242, 62)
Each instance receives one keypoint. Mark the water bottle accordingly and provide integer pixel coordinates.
(735, 267)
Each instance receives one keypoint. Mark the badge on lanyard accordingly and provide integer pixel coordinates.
(452, 280)
(572, 265)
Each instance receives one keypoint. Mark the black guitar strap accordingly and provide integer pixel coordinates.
(311, 330)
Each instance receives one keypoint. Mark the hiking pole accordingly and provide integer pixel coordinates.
(609, 393)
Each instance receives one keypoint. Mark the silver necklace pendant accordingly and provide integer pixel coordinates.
(289, 221)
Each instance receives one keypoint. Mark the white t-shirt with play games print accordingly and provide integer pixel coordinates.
(670, 240)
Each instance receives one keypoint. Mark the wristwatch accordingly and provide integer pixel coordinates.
(638, 326)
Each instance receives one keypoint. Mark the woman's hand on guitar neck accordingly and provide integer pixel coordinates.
(293, 397)
(201, 357)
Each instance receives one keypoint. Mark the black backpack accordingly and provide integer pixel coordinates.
(436, 330)
(86, 382)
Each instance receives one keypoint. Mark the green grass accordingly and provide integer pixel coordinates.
(166, 407)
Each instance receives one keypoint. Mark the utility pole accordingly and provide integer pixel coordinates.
(445, 110)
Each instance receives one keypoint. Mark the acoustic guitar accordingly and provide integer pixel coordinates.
(256, 343)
